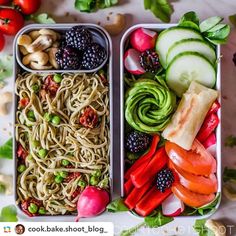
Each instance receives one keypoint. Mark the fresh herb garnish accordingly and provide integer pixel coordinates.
(6, 64)
(202, 229)
(153, 221)
(117, 206)
(8, 214)
(190, 20)
(93, 5)
(162, 9)
(230, 141)
(6, 150)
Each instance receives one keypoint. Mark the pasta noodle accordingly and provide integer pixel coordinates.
(86, 149)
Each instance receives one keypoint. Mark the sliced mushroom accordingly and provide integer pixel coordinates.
(6, 98)
(52, 57)
(24, 40)
(23, 50)
(37, 66)
(41, 43)
(40, 58)
(216, 227)
(34, 34)
(52, 33)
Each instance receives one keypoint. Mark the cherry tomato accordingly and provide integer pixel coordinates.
(2, 41)
(11, 21)
(3, 2)
(27, 7)
(197, 160)
(196, 183)
(190, 198)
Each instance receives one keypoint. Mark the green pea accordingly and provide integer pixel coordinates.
(65, 162)
(97, 173)
(2, 188)
(33, 208)
(57, 78)
(35, 143)
(29, 157)
(31, 116)
(93, 180)
(82, 183)
(42, 152)
(35, 88)
(42, 211)
(58, 179)
(48, 117)
(56, 120)
(63, 174)
(21, 168)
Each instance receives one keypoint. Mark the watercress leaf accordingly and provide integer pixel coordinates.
(190, 16)
(157, 220)
(202, 229)
(220, 34)
(230, 141)
(232, 19)
(43, 18)
(6, 150)
(8, 214)
(210, 23)
(117, 206)
(190, 24)
(229, 174)
(6, 65)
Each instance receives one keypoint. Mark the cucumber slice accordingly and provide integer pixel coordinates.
(189, 66)
(191, 45)
(170, 36)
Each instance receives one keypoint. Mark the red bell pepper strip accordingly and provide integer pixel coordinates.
(209, 125)
(211, 140)
(136, 194)
(151, 201)
(21, 152)
(145, 157)
(143, 175)
(214, 108)
(24, 102)
(128, 186)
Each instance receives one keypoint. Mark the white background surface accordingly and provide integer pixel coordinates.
(136, 14)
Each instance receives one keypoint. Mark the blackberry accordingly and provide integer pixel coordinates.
(93, 56)
(165, 178)
(68, 58)
(136, 141)
(78, 37)
(149, 60)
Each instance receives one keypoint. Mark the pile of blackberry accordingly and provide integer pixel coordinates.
(78, 51)
(165, 179)
(137, 141)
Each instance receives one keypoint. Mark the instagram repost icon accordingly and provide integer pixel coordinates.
(7, 229)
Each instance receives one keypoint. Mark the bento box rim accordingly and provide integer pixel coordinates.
(63, 26)
(110, 73)
(160, 27)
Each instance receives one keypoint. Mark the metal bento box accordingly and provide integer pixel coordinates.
(72, 152)
(124, 46)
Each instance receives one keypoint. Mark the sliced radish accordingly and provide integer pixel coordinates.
(172, 206)
(142, 39)
(210, 144)
(131, 62)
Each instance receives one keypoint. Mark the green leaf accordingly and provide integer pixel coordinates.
(217, 27)
(6, 150)
(6, 65)
(117, 206)
(190, 24)
(232, 19)
(210, 207)
(190, 16)
(85, 5)
(210, 23)
(8, 214)
(229, 174)
(202, 229)
(43, 18)
(160, 8)
(220, 34)
(230, 141)
(157, 220)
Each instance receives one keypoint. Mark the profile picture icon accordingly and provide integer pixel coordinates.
(19, 229)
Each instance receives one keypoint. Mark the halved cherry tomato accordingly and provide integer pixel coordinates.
(196, 161)
(27, 7)
(11, 21)
(2, 41)
(190, 198)
(196, 183)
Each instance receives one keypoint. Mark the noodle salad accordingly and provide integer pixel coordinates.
(62, 134)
